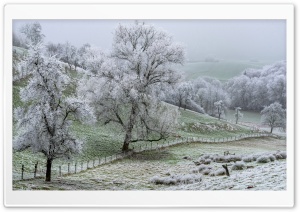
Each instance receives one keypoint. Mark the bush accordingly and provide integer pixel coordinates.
(240, 165)
(200, 168)
(177, 179)
(282, 154)
(218, 172)
(247, 159)
(207, 161)
(233, 158)
(263, 159)
(272, 157)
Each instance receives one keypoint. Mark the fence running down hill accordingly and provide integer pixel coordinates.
(59, 170)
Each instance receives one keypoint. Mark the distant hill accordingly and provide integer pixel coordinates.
(222, 70)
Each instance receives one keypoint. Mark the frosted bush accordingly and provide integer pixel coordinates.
(282, 154)
(272, 157)
(207, 161)
(233, 158)
(177, 179)
(247, 159)
(200, 168)
(206, 171)
(239, 165)
(263, 159)
(218, 172)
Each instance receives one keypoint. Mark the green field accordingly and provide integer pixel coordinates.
(248, 116)
(222, 70)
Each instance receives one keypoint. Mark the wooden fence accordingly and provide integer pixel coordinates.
(73, 167)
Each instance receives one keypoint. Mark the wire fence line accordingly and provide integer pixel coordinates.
(74, 167)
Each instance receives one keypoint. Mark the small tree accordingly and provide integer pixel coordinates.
(273, 115)
(44, 125)
(238, 115)
(219, 108)
(33, 33)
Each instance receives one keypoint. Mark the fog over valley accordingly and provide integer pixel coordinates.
(262, 40)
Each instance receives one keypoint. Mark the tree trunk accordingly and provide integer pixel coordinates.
(271, 129)
(125, 147)
(48, 171)
(128, 135)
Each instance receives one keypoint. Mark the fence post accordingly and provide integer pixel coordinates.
(22, 175)
(35, 169)
(75, 167)
(81, 165)
(68, 168)
(59, 170)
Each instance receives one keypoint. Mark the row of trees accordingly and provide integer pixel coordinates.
(256, 88)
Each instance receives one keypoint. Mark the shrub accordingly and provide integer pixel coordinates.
(240, 165)
(206, 171)
(176, 179)
(207, 161)
(263, 159)
(247, 159)
(218, 172)
(233, 158)
(200, 168)
(272, 157)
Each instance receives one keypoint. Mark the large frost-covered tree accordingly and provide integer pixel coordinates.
(44, 124)
(273, 115)
(125, 86)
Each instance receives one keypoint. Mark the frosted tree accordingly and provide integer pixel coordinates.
(238, 115)
(33, 33)
(124, 88)
(69, 55)
(207, 91)
(44, 124)
(182, 94)
(274, 116)
(220, 108)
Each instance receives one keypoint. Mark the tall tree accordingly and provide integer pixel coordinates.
(274, 115)
(44, 125)
(125, 86)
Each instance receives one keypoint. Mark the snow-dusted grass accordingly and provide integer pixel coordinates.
(135, 173)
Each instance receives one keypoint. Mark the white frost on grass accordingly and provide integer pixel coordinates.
(269, 176)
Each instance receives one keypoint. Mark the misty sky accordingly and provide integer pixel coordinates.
(223, 39)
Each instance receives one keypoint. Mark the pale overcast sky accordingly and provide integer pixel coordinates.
(224, 39)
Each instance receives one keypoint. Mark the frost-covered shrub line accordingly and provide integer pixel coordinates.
(177, 179)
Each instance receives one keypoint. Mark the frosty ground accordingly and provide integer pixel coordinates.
(136, 172)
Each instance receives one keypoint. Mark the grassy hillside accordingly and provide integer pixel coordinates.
(135, 172)
(222, 70)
